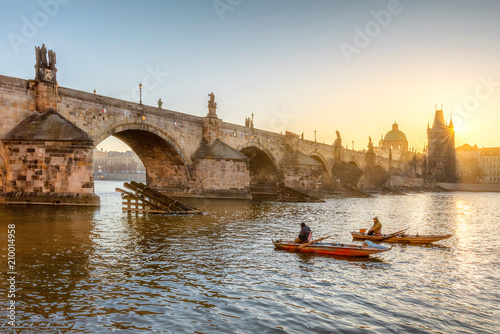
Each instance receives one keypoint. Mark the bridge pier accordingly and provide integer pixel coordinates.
(219, 171)
(302, 173)
(50, 162)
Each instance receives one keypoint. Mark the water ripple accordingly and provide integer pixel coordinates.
(92, 271)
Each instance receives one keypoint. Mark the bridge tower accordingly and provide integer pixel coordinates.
(441, 149)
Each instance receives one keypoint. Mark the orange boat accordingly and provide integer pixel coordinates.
(401, 238)
(366, 249)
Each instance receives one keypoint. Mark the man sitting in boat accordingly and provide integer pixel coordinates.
(376, 228)
(305, 233)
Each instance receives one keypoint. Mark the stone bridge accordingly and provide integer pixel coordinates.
(48, 133)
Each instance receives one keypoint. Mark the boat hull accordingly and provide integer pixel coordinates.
(412, 239)
(330, 248)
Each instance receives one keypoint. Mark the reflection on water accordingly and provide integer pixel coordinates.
(98, 270)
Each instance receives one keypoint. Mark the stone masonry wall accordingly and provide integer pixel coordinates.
(50, 167)
(14, 107)
(221, 178)
(305, 178)
(167, 177)
(14, 102)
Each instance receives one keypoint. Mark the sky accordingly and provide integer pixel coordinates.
(309, 66)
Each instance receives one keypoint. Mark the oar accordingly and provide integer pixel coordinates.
(393, 235)
(311, 242)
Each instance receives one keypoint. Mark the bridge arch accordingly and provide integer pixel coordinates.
(376, 176)
(2, 172)
(264, 175)
(383, 164)
(326, 171)
(347, 173)
(354, 163)
(167, 167)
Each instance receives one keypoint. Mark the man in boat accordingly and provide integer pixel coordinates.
(376, 228)
(304, 234)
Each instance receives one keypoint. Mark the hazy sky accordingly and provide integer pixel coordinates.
(301, 66)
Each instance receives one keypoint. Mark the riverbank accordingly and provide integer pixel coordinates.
(138, 177)
(470, 187)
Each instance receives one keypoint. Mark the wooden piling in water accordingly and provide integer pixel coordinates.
(146, 200)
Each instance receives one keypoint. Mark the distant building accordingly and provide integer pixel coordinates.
(395, 144)
(467, 164)
(478, 165)
(117, 162)
(395, 140)
(441, 149)
(489, 162)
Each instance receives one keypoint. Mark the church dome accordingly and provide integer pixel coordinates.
(395, 134)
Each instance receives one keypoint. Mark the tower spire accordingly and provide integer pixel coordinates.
(439, 118)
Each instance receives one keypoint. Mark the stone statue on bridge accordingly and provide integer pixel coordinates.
(52, 59)
(212, 102)
(41, 55)
(212, 106)
(337, 149)
(338, 141)
(160, 103)
(45, 69)
(370, 154)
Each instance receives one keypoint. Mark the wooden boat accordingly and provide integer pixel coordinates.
(401, 238)
(366, 249)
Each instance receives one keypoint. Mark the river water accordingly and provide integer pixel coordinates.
(88, 270)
